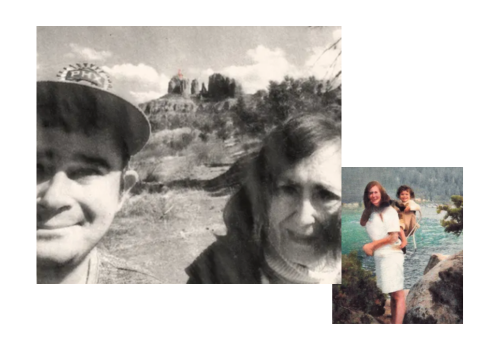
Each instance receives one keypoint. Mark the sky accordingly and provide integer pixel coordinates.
(141, 60)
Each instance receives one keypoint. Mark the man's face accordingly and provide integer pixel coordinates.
(78, 193)
(306, 207)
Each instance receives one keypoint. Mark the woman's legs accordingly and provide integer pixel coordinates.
(398, 306)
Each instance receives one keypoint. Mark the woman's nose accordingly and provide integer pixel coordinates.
(306, 213)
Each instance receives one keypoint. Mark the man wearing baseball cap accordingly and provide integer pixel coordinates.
(85, 138)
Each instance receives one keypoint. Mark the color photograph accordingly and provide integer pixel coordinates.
(402, 246)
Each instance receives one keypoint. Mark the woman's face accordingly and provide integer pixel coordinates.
(374, 196)
(306, 206)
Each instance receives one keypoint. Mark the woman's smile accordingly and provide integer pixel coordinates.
(374, 196)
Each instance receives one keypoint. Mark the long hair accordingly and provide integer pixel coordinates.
(384, 197)
(285, 146)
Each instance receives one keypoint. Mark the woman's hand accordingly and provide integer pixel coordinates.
(400, 235)
(368, 249)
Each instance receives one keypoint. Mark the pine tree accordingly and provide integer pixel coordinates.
(453, 220)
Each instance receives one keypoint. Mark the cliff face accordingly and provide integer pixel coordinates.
(169, 103)
(168, 111)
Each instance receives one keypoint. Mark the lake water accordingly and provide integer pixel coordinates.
(430, 239)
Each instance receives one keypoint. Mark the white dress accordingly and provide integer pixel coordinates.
(388, 259)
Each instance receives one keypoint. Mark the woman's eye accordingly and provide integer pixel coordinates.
(327, 195)
(288, 190)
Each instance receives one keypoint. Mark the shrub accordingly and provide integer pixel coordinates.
(208, 152)
(153, 206)
(358, 291)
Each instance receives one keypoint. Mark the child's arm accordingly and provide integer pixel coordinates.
(369, 248)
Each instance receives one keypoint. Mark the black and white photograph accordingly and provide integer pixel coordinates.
(200, 155)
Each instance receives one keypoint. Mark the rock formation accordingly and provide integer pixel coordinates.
(195, 87)
(438, 296)
(179, 86)
(204, 91)
(434, 260)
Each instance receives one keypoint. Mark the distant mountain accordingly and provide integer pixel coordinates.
(436, 184)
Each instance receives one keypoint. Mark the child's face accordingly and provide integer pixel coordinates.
(78, 193)
(405, 196)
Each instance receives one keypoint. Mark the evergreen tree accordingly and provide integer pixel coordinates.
(453, 220)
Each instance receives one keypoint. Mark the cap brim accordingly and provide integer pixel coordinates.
(84, 101)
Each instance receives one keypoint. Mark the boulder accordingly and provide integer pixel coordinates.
(434, 260)
(438, 296)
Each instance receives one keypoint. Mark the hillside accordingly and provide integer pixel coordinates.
(428, 183)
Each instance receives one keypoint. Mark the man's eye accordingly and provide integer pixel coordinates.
(83, 172)
(41, 171)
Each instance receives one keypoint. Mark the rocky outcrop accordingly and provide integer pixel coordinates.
(438, 296)
(178, 85)
(434, 260)
(204, 91)
(359, 317)
(195, 87)
(168, 103)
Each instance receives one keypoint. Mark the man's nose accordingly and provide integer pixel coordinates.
(53, 195)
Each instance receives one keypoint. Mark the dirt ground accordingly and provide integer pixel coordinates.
(165, 232)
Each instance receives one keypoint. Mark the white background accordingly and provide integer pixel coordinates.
(426, 75)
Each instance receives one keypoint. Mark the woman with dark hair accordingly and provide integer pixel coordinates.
(382, 225)
(283, 225)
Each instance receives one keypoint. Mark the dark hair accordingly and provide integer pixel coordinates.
(296, 139)
(384, 197)
(406, 188)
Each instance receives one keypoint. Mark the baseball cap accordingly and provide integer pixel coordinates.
(82, 93)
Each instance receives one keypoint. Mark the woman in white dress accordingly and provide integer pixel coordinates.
(382, 225)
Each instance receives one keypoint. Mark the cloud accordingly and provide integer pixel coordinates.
(144, 96)
(325, 62)
(128, 71)
(137, 83)
(268, 64)
(87, 53)
(272, 64)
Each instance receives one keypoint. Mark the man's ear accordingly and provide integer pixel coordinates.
(130, 178)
